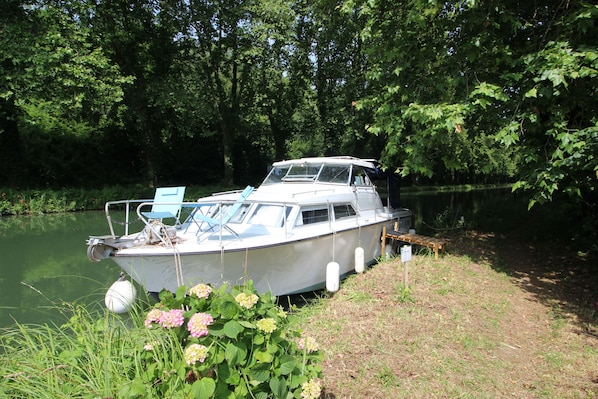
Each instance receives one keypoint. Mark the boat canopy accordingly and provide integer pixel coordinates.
(335, 170)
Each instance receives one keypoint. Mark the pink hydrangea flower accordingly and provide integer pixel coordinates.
(198, 324)
(172, 318)
(153, 316)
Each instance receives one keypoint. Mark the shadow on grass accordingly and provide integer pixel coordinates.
(542, 256)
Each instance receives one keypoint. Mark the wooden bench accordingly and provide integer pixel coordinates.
(435, 243)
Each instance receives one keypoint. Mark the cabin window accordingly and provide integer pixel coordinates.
(302, 172)
(267, 215)
(360, 177)
(343, 211)
(335, 174)
(313, 215)
(276, 175)
(219, 212)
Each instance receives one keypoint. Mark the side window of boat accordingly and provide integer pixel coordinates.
(240, 214)
(343, 211)
(313, 215)
(360, 177)
(267, 215)
(334, 174)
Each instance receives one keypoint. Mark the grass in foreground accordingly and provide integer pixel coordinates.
(197, 343)
(490, 319)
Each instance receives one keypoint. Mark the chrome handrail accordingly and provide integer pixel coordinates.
(127, 204)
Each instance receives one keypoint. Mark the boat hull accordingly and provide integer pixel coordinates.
(282, 268)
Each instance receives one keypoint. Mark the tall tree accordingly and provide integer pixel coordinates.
(339, 81)
(55, 86)
(139, 37)
(519, 77)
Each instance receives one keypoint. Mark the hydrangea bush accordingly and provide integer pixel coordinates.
(232, 342)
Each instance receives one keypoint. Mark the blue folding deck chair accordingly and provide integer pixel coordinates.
(222, 222)
(167, 204)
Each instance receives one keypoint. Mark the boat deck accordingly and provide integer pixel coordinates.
(436, 244)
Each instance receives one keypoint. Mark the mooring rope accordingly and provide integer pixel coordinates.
(178, 266)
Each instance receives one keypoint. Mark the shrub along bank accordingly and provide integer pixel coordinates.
(35, 201)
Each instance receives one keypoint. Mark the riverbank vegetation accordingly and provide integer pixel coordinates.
(200, 343)
(38, 201)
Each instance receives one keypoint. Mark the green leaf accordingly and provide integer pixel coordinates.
(228, 309)
(263, 357)
(203, 388)
(246, 324)
(232, 329)
(235, 353)
(287, 364)
(132, 390)
(258, 339)
(278, 387)
(181, 292)
(532, 93)
(260, 372)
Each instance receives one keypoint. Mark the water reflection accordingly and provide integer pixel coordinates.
(43, 263)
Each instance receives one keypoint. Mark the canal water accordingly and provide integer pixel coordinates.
(43, 260)
(43, 265)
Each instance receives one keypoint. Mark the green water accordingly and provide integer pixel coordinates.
(43, 263)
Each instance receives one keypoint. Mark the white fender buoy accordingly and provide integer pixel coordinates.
(120, 296)
(359, 260)
(332, 277)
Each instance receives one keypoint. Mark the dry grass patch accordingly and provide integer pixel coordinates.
(465, 328)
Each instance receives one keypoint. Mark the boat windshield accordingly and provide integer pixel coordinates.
(320, 172)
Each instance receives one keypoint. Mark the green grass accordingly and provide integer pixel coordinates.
(467, 328)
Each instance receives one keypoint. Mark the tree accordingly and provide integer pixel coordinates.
(450, 75)
(55, 86)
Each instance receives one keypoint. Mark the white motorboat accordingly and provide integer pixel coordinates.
(307, 214)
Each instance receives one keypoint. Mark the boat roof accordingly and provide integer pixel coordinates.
(339, 160)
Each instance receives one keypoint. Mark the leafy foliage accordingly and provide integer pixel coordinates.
(172, 92)
(248, 349)
(242, 346)
(523, 75)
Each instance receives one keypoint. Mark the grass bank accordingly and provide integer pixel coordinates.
(40, 201)
(493, 318)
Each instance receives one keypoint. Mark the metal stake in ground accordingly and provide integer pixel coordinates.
(405, 258)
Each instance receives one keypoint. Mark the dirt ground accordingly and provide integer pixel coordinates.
(494, 317)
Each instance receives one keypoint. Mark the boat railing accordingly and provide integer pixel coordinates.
(133, 212)
(189, 207)
(312, 192)
(127, 205)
